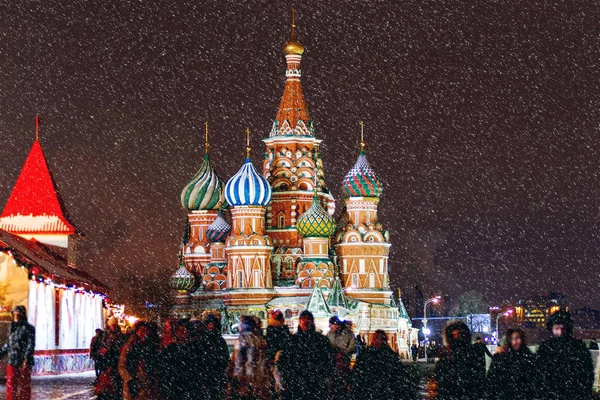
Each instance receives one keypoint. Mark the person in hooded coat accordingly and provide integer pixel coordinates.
(180, 364)
(306, 363)
(278, 335)
(457, 371)
(380, 374)
(248, 368)
(109, 384)
(213, 351)
(565, 365)
(343, 342)
(139, 363)
(512, 374)
(19, 346)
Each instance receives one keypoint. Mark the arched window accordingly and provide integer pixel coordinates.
(281, 221)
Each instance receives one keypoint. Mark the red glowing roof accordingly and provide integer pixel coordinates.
(34, 205)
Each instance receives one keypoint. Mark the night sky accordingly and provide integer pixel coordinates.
(482, 119)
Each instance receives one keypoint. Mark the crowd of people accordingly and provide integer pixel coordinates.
(561, 369)
(191, 360)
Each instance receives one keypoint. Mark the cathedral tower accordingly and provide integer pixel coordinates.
(316, 227)
(202, 197)
(248, 247)
(362, 245)
(292, 166)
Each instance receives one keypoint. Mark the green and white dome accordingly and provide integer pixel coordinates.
(183, 280)
(205, 190)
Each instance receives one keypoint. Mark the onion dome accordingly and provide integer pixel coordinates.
(218, 230)
(183, 280)
(315, 222)
(361, 180)
(293, 47)
(247, 187)
(205, 190)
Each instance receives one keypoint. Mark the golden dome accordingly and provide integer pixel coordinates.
(293, 47)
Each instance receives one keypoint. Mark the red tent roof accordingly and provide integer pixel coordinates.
(34, 205)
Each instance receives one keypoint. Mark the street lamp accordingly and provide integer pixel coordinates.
(427, 331)
(506, 314)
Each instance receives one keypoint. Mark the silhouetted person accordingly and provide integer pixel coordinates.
(95, 344)
(306, 362)
(215, 355)
(414, 352)
(482, 351)
(457, 371)
(593, 344)
(278, 335)
(139, 363)
(512, 374)
(380, 374)
(564, 363)
(249, 370)
(109, 385)
(344, 346)
(19, 348)
(180, 364)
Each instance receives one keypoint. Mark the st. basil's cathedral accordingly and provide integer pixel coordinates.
(283, 249)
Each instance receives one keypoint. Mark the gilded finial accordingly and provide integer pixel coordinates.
(292, 46)
(248, 148)
(37, 127)
(362, 136)
(293, 34)
(206, 145)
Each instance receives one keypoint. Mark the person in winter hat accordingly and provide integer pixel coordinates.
(248, 368)
(457, 371)
(306, 363)
(380, 374)
(344, 344)
(278, 335)
(19, 348)
(565, 365)
(139, 363)
(512, 374)
(214, 355)
(109, 384)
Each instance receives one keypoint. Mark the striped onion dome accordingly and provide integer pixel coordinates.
(205, 190)
(218, 230)
(248, 187)
(361, 180)
(183, 280)
(315, 222)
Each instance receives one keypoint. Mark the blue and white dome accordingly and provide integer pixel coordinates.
(248, 187)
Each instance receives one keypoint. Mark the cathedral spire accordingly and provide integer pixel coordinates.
(292, 115)
(248, 148)
(362, 136)
(206, 145)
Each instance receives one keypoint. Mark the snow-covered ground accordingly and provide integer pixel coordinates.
(61, 387)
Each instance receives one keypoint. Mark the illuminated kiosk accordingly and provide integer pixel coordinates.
(38, 270)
